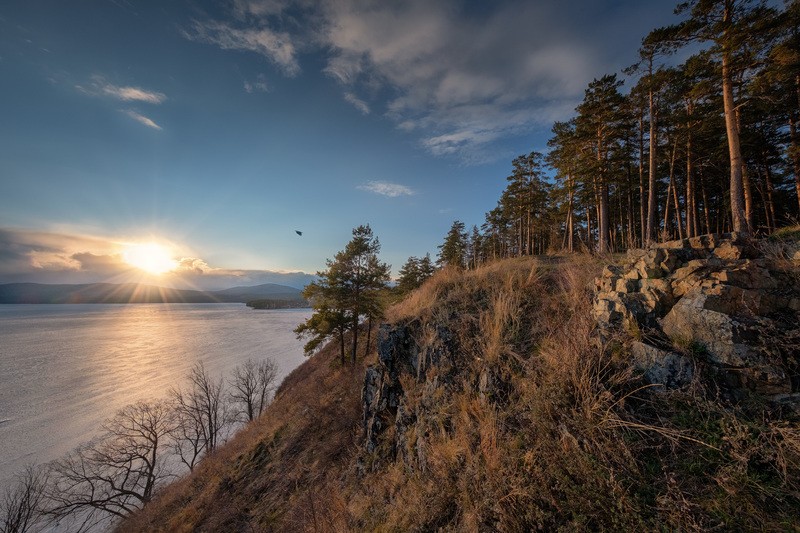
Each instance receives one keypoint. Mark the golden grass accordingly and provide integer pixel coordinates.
(565, 439)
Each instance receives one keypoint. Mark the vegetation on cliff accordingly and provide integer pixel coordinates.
(491, 405)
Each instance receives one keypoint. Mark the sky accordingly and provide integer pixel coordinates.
(218, 128)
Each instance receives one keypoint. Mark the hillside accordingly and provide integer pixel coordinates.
(492, 402)
(39, 293)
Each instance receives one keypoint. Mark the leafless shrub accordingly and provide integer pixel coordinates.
(202, 416)
(251, 387)
(116, 474)
(22, 506)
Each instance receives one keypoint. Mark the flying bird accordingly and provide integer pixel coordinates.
(299, 232)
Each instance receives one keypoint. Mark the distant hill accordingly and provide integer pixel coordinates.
(38, 293)
(266, 291)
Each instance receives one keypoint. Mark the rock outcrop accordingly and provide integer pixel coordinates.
(715, 303)
(385, 403)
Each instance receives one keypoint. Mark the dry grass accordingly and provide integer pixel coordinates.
(570, 439)
(279, 473)
(566, 439)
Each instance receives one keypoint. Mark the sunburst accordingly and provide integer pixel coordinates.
(150, 257)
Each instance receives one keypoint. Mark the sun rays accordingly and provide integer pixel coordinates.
(150, 257)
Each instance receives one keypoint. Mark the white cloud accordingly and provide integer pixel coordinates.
(461, 77)
(385, 188)
(141, 119)
(358, 103)
(134, 93)
(98, 86)
(64, 257)
(275, 46)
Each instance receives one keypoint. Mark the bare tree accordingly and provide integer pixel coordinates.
(202, 414)
(117, 473)
(251, 386)
(22, 506)
(187, 436)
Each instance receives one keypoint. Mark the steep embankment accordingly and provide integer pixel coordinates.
(493, 405)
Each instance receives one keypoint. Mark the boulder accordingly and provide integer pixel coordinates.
(734, 307)
(662, 367)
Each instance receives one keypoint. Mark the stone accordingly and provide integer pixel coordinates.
(733, 343)
(670, 369)
(370, 398)
(788, 402)
(703, 242)
(632, 274)
(767, 379)
(720, 335)
(612, 271)
(729, 252)
(647, 269)
(672, 259)
(750, 275)
(634, 254)
(674, 245)
(720, 297)
(662, 285)
(626, 285)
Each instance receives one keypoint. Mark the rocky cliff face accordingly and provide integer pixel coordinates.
(386, 407)
(725, 308)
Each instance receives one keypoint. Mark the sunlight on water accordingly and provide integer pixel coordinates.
(66, 368)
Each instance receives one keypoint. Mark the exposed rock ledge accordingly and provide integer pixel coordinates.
(716, 305)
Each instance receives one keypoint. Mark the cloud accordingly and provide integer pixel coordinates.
(258, 85)
(462, 77)
(141, 119)
(134, 93)
(98, 86)
(359, 104)
(275, 46)
(44, 257)
(384, 188)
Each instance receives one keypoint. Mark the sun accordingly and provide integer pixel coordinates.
(151, 257)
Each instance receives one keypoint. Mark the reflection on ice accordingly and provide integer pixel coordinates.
(65, 369)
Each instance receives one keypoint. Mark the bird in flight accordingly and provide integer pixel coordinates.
(299, 232)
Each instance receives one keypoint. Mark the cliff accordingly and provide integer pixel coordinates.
(536, 394)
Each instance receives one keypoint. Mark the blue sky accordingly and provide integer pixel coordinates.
(218, 128)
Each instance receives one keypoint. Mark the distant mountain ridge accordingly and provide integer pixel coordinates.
(39, 293)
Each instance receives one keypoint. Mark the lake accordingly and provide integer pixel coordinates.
(64, 369)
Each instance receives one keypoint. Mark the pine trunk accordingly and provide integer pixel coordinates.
(795, 156)
(642, 222)
(570, 215)
(651, 184)
(341, 347)
(738, 214)
(770, 197)
(692, 229)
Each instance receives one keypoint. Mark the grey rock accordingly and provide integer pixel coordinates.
(670, 369)
(717, 295)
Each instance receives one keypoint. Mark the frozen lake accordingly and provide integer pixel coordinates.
(66, 368)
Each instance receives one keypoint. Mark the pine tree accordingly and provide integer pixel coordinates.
(733, 27)
(454, 249)
(348, 291)
(597, 125)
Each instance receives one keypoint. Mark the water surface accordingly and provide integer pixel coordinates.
(66, 368)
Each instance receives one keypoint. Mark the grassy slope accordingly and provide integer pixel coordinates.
(570, 441)
(270, 475)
